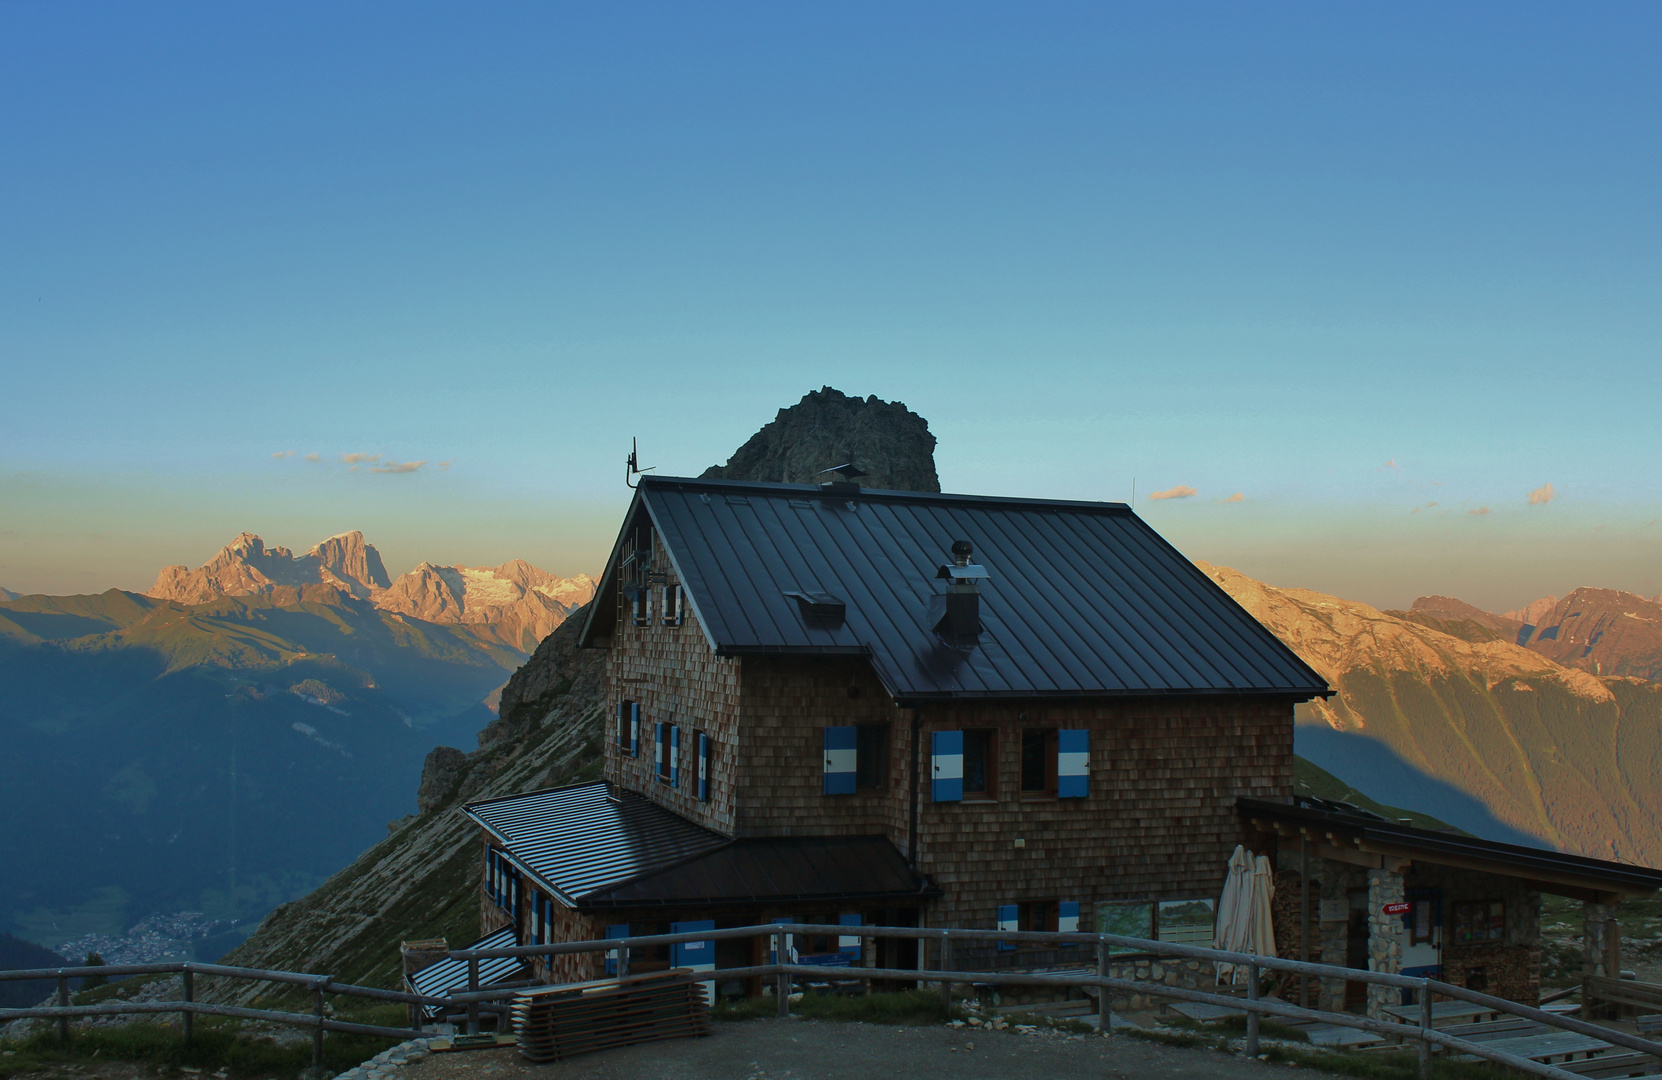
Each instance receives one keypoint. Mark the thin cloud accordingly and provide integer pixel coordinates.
(444, 464)
(1392, 464)
(314, 457)
(1542, 495)
(1181, 491)
(400, 467)
(1237, 497)
(281, 454)
(1417, 509)
(358, 459)
(1481, 511)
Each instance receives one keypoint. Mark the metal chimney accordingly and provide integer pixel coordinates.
(963, 593)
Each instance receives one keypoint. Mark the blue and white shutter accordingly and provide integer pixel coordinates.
(696, 955)
(1008, 919)
(660, 738)
(616, 930)
(1067, 917)
(946, 759)
(674, 756)
(849, 944)
(634, 729)
(703, 767)
(1073, 764)
(840, 760)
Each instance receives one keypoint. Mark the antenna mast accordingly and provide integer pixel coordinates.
(633, 466)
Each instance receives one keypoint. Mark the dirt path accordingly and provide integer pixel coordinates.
(810, 1050)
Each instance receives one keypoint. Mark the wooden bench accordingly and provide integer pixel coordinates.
(1550, 1048)
(1443, 1012)
(1650, 1025)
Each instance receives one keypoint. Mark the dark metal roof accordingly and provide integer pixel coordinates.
(444, 975)
(776, 869)
(1449, 848)
(578, 840)
(1083, 599)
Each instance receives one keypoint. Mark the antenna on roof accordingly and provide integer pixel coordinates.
(633, 463)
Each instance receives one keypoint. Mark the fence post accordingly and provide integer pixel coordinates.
(317, 1033)
(473, 988)
(782, 984)
(1252, 1014)
(187, 1019)
(1425, 1025)
(945, 960)
(1104, 1006)
(63, 1003)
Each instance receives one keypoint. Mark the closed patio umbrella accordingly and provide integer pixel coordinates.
(1234, 923)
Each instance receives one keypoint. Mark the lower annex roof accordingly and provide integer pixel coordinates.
(1557, 871)
(600, 846)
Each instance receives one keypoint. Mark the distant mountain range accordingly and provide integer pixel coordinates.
(1555, 741)
(514, 604)
(244, 729)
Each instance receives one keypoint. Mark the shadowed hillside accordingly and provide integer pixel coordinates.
(1478, 732)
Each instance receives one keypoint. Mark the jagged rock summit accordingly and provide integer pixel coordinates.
(890, 442)
(246, 566)
(518, 603)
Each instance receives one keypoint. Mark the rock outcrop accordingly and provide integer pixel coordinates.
(886, 440)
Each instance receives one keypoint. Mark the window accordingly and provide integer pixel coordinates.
(672, 605)
(1037, 915)
(1186, 922)
(1038, 761)
(628, 727)
(1482, 921)
(872, 757)
(981, 764)
(701, 745)
(1127, 918)
(1422, 923)
(643, 606)
(668, 742)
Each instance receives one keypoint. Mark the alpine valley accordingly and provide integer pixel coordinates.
(225, 741)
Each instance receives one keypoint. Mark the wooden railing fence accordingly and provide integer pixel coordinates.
(474, 1000)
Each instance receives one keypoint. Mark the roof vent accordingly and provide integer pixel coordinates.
(844, 482)
(962, 617)
(819, 607)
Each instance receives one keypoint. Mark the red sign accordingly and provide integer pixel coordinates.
(1400, 908)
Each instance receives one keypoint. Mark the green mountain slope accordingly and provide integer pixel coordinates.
(222, 756)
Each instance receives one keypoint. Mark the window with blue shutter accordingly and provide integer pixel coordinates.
(634, 729)
(841, 753)
(946, 759)
(1073, 764)
(616, 930)
(623, 726)
(660, 743)
(697, 955)
(1067, 917)
(849, 944)
(703, 767)
(1008, 919)
(674, 756)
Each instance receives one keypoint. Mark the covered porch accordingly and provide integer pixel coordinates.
(1360, 891)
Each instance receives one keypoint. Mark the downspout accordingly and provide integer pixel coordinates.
(912, 826)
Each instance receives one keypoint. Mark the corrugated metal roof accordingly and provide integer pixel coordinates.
(776, 869)
(445, 975)
(582, 839)
(1083, 598)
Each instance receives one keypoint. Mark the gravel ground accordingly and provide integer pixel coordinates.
(809, 1050)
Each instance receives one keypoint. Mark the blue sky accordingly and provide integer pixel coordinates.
(1264, 249)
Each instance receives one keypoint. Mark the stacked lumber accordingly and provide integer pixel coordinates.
(554, 1022)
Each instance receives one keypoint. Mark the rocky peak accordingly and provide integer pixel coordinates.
(887, 440)
(1532, 613)
(346, 560)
